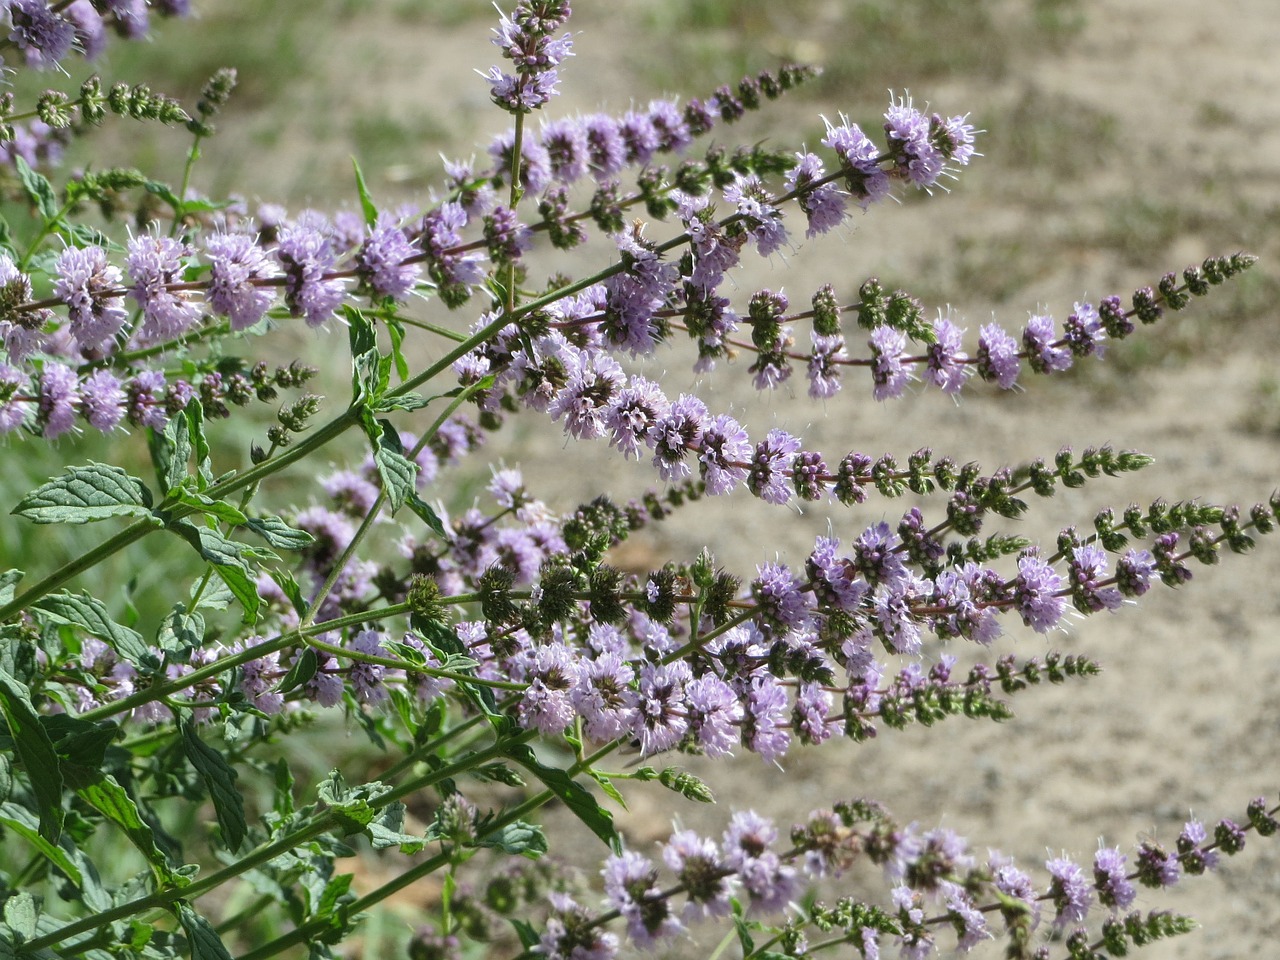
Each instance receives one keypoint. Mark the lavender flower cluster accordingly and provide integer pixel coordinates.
(488, 629)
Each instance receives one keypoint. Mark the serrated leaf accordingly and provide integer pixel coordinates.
(21, 914)
(85, 495)
(360, 332)
(524, 839)
(80, 744)
(91, 615)
(218, 509)
(228, 559)
(220, 780)
(410, 655)
(303, 669)
(8, 584)
(423, 511)
(35, 750)
(181, 631)
(201, 937)
(278, 533)
(104, 794)
(396, 471)
(395, 329)
(366, 201)
(405, 401)
(170, 451)
(607, 786)
(284, 580)
(38, 189)
(199, 445)
(387, 830)
(576, 797)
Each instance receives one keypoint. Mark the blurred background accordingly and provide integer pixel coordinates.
(1122, 141)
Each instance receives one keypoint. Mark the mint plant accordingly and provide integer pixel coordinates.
(153, 798)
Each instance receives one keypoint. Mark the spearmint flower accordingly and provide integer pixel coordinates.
(525, 40)
(782, 605)
(663, 720)
(699, 867)
(835, 579)
(631, 886)
(565, 142)
(86, 282)
(235, 262)
(769, 478)
(635, 409)
(1088, 568)
(551, 673)
(969, 922)
(506, 236)
(745, 846)
(603, 697)
(674, 434)
(56, 409)
(714, 713)
(946, 369)
(824, 366)
(726, 452)
(1036, 593)
(44, 36)
(145, 403)
(888, 372)
(102, 400)
(910, 145)
(1069, 891)
(765, 717)
(305, 256)
(584, 402)
(1085, 335)
(763, 219)
(606, 150)
(860, 158)
(1134, 571)
(1111, 879)
(824, 205)
(91, 32)
(380, 262)
(570, 933)
(1194, 860)
(997, 356)
(1039, 339)
(13, 409)
(153, 263)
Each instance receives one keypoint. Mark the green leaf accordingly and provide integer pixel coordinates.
(395, 329)
(35, 750)
(104, 794)
(424, 513)
(203, 939)
(38, 190)
(20, 821)
(406, 401)
(81, 745)
(366, 201)
(607, 786)
(524, 839)
(218, 509)
(8, 583)
(285, 581)
(220, 780)
(180, 631)
(387, 830)
(360, 332)
(350, 804)
(195, 432)
(21, 914)
(170, 451)
(91, 615)
(303, 669)
(229, 560)
(279, 534)
(86, 494)
(397, 472)
(576, 797)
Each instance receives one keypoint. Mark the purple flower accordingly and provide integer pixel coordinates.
(876, 558)
(782, 605)
(258, 677)
(1155, 867)
(505, 235)
(86, 284)
(674, 434)
(662, 721)
(1191, 841)
(13, 408)
(1134, 571)
(1039, 339)
(635, 409)
(59, 396)
(306, 257)
(969, 922)
(698, 866)
(606, 150)
(726, 451)
(888, 349)
(945, 368)
(146, 396)
(1088, 568)
(824, 366)
(997, 356)
(1110, 879)
(835, 579)
(380, 261)
(959, 594)
(763, 219)
(765, 717)
(154, 262)
(1069, 891)
(535, 164)
(43, 36)
(631, 886)
(552, 672)
(861, 161)
(746, 844)
(714, 714)
(584, 402)
(571, 935)
(1084, 333)
(908, 129)
(91, 33)
(824, 205)
(1036, 592)
(235, 262)
(565, 142)
(102, 400)
(809, 714)
(603, 697)
(769, 477)
(325, 687)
